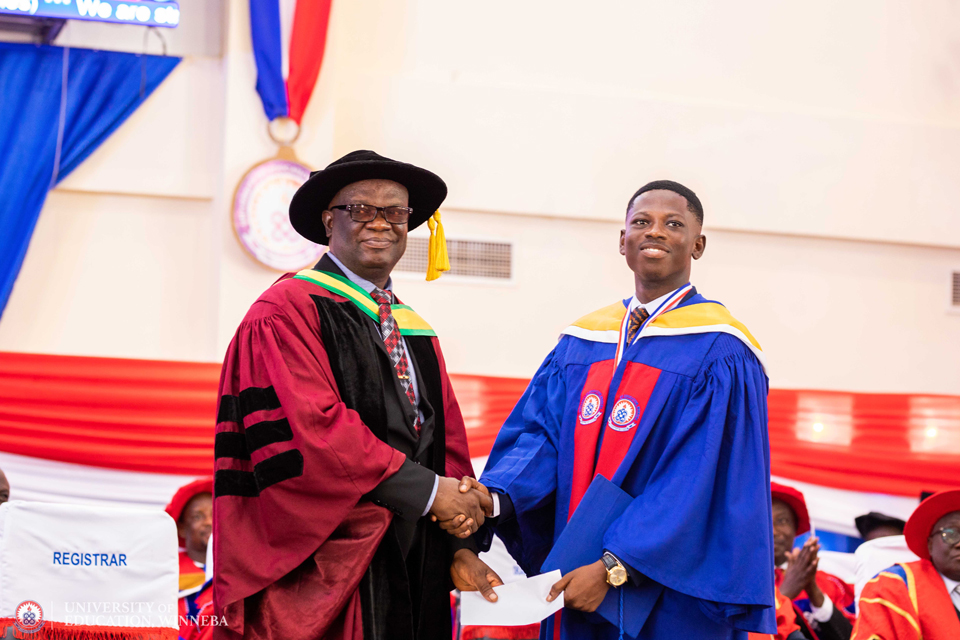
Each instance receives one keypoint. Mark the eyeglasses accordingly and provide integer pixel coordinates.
(949, 535)
(368, 213)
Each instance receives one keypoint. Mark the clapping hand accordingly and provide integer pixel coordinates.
(801, 571)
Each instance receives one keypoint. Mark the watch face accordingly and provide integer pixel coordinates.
(616, 576)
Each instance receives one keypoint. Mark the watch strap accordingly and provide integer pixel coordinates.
(610, 561)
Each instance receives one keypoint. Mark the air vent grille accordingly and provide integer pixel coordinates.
(955, 289)
(467, 258)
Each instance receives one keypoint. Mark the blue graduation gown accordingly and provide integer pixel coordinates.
(692, 390)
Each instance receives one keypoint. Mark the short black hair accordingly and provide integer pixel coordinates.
(870, 521)
(693, 202)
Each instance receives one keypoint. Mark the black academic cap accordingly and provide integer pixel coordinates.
(868, 522)
(427, 191)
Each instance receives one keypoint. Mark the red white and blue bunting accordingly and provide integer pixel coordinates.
(103, 431)
(289, 39)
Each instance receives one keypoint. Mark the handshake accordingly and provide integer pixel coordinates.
(460, 506)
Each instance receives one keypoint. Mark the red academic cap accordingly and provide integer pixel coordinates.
(186, 493)
(925, 516)
(795, 501)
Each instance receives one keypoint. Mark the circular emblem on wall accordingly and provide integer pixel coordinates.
(590, 407)
(28, 616)
(261, 216)
(624, 414)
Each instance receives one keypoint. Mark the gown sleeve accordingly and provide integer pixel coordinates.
(523, 465)
(702, 524)
(292, 461)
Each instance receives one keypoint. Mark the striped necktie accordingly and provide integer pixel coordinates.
(637, 317)
(391, 340)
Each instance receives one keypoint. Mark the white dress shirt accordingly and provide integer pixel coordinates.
(652, 305)
(824, 612)
(952, 590)
(649, 306)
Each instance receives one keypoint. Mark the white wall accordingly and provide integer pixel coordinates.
(171, 147)
(111, 275)
(818, 118)
(821, 137)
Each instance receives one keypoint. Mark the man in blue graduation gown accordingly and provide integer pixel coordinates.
(664, 394)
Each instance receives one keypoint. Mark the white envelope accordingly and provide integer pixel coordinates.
(519, 603)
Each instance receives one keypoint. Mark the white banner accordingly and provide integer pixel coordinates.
(89, 566)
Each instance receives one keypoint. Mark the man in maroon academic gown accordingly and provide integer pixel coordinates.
(339, 438)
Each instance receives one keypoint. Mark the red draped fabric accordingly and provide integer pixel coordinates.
(157, 416)
(136, 415)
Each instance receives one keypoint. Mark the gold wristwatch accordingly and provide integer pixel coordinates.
(616, 572)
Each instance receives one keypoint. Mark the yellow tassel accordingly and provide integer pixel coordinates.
(437, 259)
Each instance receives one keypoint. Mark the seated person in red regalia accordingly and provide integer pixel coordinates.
(921, 599)
(825, 600)
(192, 509)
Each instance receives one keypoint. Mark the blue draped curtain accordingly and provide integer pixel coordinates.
(46, 132)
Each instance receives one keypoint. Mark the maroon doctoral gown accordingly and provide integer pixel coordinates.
(302, 437)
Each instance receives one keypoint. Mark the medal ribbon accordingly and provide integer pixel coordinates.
(665, 306)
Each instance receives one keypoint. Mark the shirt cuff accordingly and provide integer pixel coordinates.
(822, 613)
(433, 496)
(504, 506)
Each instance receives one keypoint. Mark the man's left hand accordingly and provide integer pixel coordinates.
(583, 589)
(470, 573)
